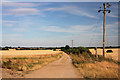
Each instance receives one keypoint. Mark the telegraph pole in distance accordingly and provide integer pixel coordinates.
(104, 12)
(72, 44)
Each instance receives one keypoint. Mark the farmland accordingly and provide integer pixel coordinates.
(114, 55)
(28, 53)
(24, 61)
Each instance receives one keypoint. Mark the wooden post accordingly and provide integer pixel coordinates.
(96, 53)
(104, 30)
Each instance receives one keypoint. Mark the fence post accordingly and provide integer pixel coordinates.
(96, 53)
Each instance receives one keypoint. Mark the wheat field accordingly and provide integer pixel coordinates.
(23, 53)
(115, 55)
(20, 62)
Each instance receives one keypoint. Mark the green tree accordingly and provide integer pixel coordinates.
(67, 47)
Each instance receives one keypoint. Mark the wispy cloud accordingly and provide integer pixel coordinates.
(22, 11)
(6, 1)
(18, 26)
(72, 29)
(84, 29)
(113, 15)
(72, 10)
(8, 25)
(8, 21)
(23, 4)
(18, 4)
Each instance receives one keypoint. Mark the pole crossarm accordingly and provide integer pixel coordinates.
(104, 10)
(105, 5)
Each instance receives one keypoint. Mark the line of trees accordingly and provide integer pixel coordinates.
(67, 48)
(21, 48)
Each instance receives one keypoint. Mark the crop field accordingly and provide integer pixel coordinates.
(23, 61)
(115, 55)
(28, 53)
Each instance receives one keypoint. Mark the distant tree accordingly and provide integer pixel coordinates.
(110, 46)
(67, 47)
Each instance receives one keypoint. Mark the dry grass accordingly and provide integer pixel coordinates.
(102, 69)
(91, 67)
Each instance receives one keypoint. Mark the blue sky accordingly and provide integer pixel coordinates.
(57, 23)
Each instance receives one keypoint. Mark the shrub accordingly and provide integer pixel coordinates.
(109, 51)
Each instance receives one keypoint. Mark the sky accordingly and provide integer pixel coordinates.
(56, 24)
(60, 1)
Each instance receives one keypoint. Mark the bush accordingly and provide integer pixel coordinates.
(79, 50)
(109, 51)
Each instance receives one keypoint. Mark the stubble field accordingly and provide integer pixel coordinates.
(19, 62)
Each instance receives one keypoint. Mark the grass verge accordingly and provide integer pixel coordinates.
(92, 67)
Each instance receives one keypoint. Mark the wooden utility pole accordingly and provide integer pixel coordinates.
(104, 29)
(104, 12)
(72, 44)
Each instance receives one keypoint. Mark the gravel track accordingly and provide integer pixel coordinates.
(61, 68)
